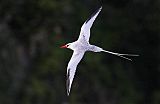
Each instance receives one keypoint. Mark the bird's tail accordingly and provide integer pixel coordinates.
(121, 55)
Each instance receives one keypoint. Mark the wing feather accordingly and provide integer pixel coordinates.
(85, 29)
(71, 69)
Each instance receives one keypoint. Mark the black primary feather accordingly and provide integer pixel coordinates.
(67, 82)
(93, 14)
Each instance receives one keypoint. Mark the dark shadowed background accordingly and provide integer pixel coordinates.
(33, 67)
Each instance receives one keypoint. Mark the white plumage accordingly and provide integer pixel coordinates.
(81, 46)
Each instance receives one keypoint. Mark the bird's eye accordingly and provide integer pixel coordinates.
(67, 45)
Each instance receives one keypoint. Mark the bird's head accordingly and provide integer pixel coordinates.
(69, 46)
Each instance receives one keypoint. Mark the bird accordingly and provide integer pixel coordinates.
(82, 45)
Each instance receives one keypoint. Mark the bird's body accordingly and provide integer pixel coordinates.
(82, 45)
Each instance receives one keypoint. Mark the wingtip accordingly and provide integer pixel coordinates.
(100, 8)
(68, 92)
(97, 11)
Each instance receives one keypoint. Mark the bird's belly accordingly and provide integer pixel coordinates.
(82, 48)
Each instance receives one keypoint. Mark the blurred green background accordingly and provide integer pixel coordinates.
(33, 67)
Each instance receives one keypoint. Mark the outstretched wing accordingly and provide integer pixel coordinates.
(85, 29)
(71, 69)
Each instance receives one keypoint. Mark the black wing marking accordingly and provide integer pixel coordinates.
(93, 14)
(68, 82)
